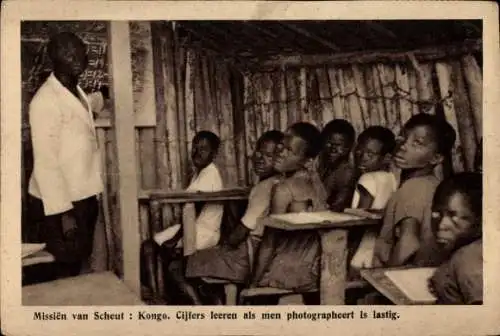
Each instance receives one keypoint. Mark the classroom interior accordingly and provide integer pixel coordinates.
(238, 79)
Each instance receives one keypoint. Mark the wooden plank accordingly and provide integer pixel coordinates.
(180, 67)
(302, 84)
(355, 112)
(313, 106)
(443, 71)
(189, 99)
(324, 95)
(377, 278)
(282, 98)
(345, 108)
(405, 107)
(281, 224)
(293, 96)
(188, 196)
(167, 151)
(465, 120)
(249, 116)
(148, 156)
(123, 120)
(143, 73)
(370, 57)
(338, 111)
(112, 172)
(387, 77)
(373, 104)
(274, 100)
(239, 127)
(333, 267)
(189, 229)
(423, 73)
(412, 79)
(105, 209)
(223, 89)
(359, 84)
(258, 105)
(474, 80)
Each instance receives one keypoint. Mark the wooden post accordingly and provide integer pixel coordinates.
(120, 67)
(333, 267)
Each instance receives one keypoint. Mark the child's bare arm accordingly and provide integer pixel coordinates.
(407, 243)
(365, 198)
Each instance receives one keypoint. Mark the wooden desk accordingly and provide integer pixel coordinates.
(95, 289)
(377, 278)
(333, 236)
(166, 209)
(38, 258)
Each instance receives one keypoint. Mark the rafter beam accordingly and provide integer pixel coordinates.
(261, 29)
(364, 57)
(379, 28)
(311, 36)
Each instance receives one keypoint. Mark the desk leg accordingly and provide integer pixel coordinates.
(333, 267)
(156, 278)
(189, 229)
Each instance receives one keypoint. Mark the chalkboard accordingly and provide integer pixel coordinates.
(36, 66)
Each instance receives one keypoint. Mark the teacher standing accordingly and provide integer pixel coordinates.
(66, 178)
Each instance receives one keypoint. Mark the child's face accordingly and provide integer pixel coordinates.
(336, 148)
(453, 221)
(417, 148)
(290, 154)
(368, 155)
(263, 158)
(202, 153)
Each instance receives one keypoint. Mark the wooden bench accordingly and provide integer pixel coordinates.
(165, 209)
(268, 291)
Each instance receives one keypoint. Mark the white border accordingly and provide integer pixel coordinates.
(17, 320)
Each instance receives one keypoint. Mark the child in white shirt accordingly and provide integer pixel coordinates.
(206, 179)
(376, 184)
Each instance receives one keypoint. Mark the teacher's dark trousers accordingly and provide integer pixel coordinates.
(70, 246)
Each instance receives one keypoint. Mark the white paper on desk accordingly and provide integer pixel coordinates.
(316, 217)
(413, 283)
(29, 249)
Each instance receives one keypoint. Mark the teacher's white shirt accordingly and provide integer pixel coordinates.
(67, 163)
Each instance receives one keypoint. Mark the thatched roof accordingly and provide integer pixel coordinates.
(250, 40)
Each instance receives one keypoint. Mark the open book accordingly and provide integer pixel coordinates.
(413, 283)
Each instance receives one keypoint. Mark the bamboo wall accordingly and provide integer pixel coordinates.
(192, 93)
(369, 94)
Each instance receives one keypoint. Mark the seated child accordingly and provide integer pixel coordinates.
(406, 236)
(207, 178)
(457, 224)
(207, 222)
(232, 258)
(336, 170)
(375, 186)
(290, 260)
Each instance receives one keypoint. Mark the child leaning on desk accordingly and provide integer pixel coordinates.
(406, 236)
(376, 184)
(457, 225)
(207, 217)
(290, 260)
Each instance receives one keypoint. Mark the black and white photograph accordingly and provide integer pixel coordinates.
(229, 162)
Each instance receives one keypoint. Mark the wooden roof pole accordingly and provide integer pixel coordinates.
(120, 67)
(307, 34)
